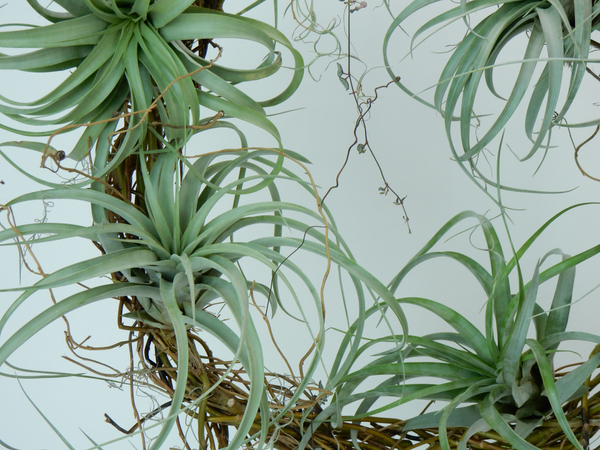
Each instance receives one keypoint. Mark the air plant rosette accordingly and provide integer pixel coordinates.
(170, 264)
(138, 73)
(559, 38)
(501, 388)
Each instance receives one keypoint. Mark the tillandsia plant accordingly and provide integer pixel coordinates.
(563, 28)
(124, 55)
(172, 263)
(499, 379)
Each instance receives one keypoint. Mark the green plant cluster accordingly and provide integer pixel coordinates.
(559, 34)
(491, 380)
(138, 81)
(179, 230)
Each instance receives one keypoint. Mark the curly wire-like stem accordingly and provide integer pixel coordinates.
(577, 154)
(360, 121)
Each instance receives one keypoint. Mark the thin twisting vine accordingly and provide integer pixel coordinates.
(363, 108)
(579, 147)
